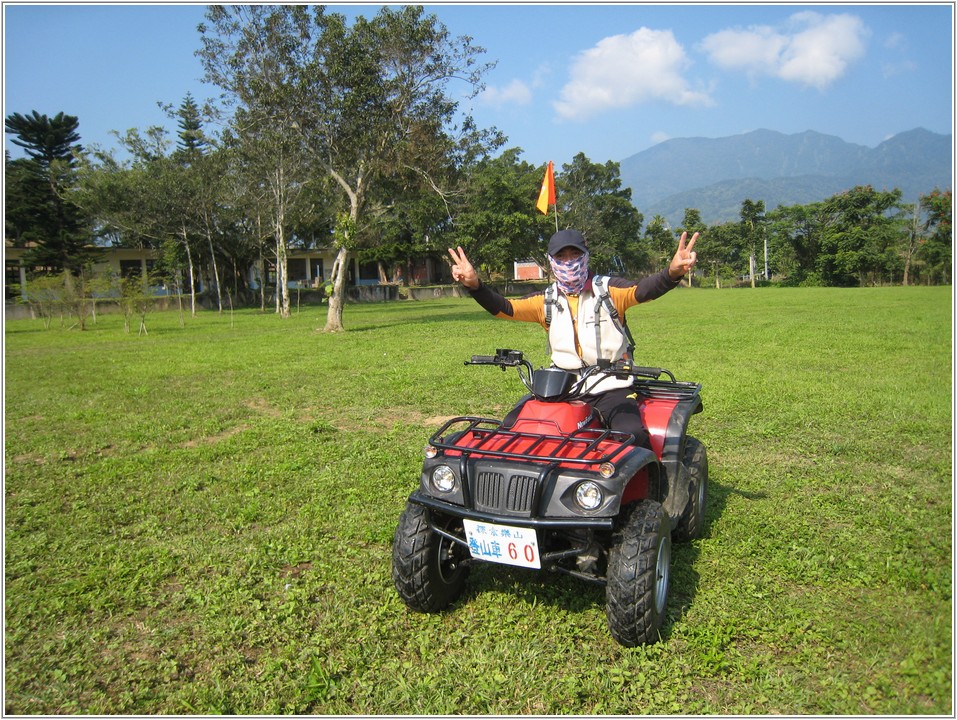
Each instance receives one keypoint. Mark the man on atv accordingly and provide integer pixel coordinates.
(584, 316)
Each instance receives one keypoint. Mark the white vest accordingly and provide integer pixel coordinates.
(607, 342)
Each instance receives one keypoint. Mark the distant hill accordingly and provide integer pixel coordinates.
(716, 175)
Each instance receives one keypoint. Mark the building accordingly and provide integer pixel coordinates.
(306, 270)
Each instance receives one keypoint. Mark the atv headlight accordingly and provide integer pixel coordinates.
(443, 479)
(589, 495)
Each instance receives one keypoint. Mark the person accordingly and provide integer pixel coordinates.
(581, 327)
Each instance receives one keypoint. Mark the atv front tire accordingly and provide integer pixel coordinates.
(428, 570)
(695, 459)
(639, 565)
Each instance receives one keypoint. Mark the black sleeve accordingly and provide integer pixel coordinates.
(489, 299)
(648, 288)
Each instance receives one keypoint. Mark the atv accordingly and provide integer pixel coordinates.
(549, 487)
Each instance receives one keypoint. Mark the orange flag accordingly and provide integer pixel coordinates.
(547, 195)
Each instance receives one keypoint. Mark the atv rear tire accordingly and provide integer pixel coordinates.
(427, 569)
(695, 459)
(639, 565)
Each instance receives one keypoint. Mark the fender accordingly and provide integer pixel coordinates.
(666, 413)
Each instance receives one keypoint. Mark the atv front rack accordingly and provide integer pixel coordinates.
(486, 437)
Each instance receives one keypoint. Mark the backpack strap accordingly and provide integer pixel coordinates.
(549, 303)
(600, 284)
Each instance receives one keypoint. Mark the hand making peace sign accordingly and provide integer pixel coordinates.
(462, 270)
(684, 259)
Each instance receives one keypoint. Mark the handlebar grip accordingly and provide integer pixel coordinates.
(482, 360)
(654, 373)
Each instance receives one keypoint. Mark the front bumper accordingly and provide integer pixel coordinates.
(538, 523)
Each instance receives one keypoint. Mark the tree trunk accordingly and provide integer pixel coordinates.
(192, 276)
(339, 272)
(282, 274)
(212, 257)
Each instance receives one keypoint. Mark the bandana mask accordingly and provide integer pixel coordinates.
(570, 274)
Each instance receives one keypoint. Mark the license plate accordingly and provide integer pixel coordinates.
(504, 544)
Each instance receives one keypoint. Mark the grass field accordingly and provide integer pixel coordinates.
(199, 520)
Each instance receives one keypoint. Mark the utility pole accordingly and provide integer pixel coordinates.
(766, 275)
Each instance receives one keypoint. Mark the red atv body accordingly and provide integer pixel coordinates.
(549, 487)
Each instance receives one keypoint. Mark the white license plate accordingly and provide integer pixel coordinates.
(504, 544)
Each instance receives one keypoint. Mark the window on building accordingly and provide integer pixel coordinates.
(296, 268)
(11, 280)
(131, 268)
(368, 271)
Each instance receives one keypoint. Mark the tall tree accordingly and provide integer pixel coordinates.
(45, 139)
(261, 56)
(381, 108)
(40, 211)
(192, 139)
(752, 230)
(937, 251)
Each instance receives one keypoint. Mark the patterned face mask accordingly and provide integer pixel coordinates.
(570, 274)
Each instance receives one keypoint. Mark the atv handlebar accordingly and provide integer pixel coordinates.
(624, 367)
(502, 358)
(505, 358)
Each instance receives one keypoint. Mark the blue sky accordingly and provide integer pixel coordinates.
(608, 80)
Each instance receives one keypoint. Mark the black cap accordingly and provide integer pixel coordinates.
(566, 238)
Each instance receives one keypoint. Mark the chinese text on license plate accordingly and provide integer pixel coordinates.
(502, 544)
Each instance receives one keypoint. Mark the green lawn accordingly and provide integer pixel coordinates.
(199, 520)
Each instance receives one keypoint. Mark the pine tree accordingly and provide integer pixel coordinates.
(38, 210)
(192, 141)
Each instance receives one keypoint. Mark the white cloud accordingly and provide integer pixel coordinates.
(813, 50)
(624, 70)
(659, 137)
(515, 93)
(895, 40)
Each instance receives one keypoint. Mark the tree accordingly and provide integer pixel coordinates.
(150, 200)
(380, 109)
(40, 212)
(691, 223)
(863, 230)
(660, 243)
(752, 231)
(937, 250)
(262, 57)
(794, 234)
(593, 201)
(497, 221)
(192, 140)
(44, 139)
(725, 254)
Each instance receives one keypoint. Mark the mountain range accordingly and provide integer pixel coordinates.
(716, 175)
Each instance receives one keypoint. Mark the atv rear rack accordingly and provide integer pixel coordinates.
(492, 440)
(675, 390)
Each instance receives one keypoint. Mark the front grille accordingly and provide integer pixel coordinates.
(510, 494)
